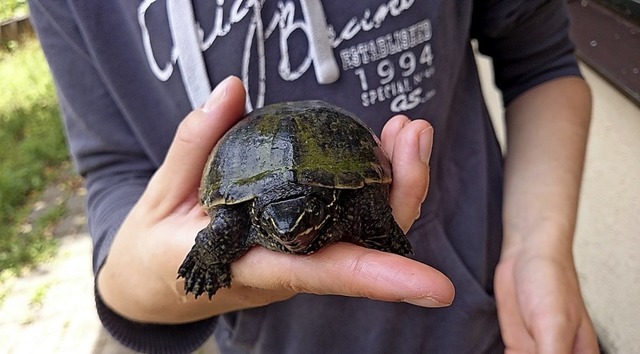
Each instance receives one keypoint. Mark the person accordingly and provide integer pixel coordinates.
(132, 81)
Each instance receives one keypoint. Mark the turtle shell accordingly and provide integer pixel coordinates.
(304, 142)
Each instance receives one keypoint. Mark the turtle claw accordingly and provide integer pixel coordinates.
(200, 278)
(207, 267)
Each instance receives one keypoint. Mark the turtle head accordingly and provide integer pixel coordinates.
(296, 222)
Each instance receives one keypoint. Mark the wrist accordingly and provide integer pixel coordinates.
(543, 239)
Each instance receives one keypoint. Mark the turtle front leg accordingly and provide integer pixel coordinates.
(207, 267)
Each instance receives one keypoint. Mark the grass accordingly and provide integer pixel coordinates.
(37, 297)
(32, 152)
(12, 8)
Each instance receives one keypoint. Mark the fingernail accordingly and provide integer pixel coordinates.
(426, 144)
(426, 301)
(216, 96)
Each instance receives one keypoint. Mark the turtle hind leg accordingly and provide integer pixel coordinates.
(393, 240)
(371, 214)
(206, 268)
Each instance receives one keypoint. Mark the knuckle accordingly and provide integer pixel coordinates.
(187, 133)
(554, 323)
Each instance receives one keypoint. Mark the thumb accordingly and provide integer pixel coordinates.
(179, 175)
(346, 269)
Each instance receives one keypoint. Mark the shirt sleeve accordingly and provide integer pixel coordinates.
(527, 40)
(107, 154)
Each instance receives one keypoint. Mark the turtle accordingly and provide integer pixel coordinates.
(292, 177)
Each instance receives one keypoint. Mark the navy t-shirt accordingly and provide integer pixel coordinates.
(116, 68)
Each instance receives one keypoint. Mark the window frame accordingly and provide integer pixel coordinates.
(607, 38)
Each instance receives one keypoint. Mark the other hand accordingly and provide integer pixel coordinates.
(539, 304)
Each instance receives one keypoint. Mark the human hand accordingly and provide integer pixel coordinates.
(539, 304)
(138, 279)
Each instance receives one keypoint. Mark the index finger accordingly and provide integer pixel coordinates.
(411, 143)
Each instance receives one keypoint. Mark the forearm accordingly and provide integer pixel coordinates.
(547, 130)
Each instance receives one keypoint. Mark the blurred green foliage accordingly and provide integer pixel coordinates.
(12, 8)
(32, 149)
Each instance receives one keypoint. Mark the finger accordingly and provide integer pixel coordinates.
(516, 336)
(410, 163)
(560, 334)
(554, 331)
(555, 340)
(180, 174)
(348, 270)
(586, 340)
(390, 132)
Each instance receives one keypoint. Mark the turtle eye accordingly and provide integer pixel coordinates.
(314, 212)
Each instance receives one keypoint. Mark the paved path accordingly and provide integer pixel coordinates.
(52, 309)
